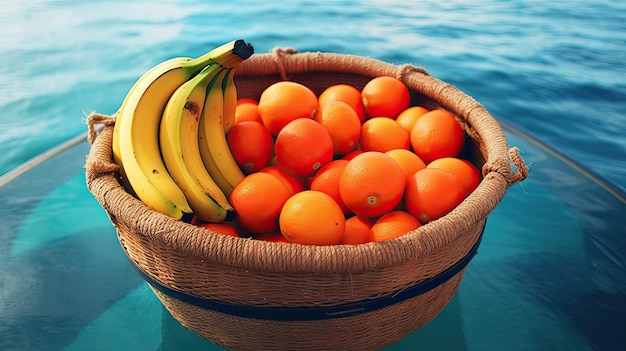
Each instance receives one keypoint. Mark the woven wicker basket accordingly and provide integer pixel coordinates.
(253, 295)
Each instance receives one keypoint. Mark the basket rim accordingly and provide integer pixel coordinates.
(245, 253)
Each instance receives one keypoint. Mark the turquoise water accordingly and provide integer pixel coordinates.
(548, 274)
(556, 69)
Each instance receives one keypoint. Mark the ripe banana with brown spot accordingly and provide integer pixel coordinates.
(135, 139)
(180, 148)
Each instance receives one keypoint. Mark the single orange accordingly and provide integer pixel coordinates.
(303, 146)
(342, 123)
(393, 225)
(274, 237)
(247, 110)
(432, 193)
(312, 218)
(294, 184)
(346, 93)
(357, 230)
(408, 117)
(257, 200)
(326, 180)
(371, 184)
(383, 134)
(437, 134)
(407, 160)
(385, 96)
(284, 101)
(464, 170)
(221, 228)
(251, 144)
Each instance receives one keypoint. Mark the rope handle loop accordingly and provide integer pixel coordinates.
(278, 55)
(405, 69)
(503, 167)
(95, 165)
(521, 171)
(94, 119)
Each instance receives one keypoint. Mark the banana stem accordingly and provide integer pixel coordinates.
(242, 49)
(228, 55)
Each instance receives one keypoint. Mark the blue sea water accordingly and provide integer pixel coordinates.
(555, 69)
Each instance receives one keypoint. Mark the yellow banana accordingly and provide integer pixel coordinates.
(151, 75)
(154, 198)
(213, 105)
(137, 127)
(214, 149)
(180, 148)
(135, 140)
(230, 100)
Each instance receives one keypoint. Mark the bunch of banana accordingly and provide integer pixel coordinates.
(174, 121)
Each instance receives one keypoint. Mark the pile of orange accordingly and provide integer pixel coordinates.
(349, 166)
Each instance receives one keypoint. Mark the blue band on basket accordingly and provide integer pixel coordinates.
(315, 313)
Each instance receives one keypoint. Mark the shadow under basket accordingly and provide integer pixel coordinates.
(248, 294)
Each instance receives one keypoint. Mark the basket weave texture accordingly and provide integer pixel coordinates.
(242, 272)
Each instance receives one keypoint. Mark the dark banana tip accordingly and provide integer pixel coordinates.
(187, 217)
(243, 49)
(230, 215)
